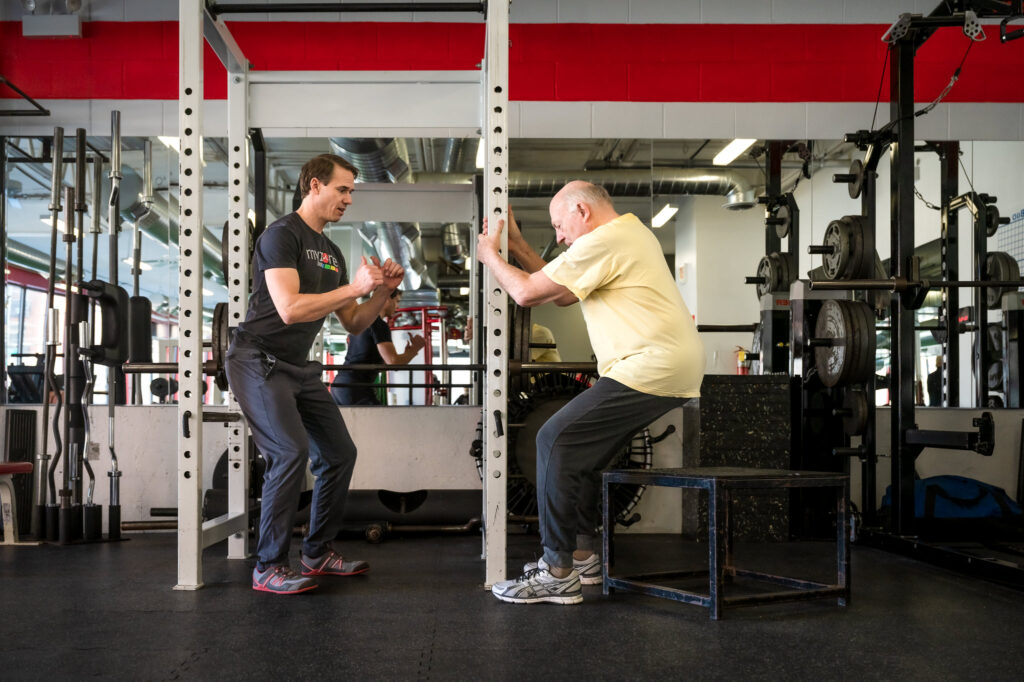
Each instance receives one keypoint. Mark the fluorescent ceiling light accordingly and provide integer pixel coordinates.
(480, 154)
(732, 150)
(175, 144)
(142, 265)
(46, 220)
(171, 142)
(664, 215)
(463, 291)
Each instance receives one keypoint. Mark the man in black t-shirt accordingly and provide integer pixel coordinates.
(298, 278)
(372, 347)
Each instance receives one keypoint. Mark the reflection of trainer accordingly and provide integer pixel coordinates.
(298, 278)
(372, 347)
(649, 356)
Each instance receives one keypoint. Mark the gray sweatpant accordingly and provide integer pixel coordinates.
(294, 420)
(573, 447)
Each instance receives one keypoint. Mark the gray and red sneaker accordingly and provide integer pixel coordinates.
(331, 563)
(281, 580)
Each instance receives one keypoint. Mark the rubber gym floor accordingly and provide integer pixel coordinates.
(108, 611)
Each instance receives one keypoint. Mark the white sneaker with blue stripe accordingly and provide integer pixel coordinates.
(589, 568)
(538, 585)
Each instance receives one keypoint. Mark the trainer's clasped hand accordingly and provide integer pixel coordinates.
(368, 277)
(392, 272)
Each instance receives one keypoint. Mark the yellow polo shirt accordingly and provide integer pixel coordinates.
(640, 329)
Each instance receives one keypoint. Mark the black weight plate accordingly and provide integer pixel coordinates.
(856, 422)
(837, 235)
(995, 338)
(225, 258)
(862, 263)
(766, 270)
(786, 272)
(219, 344)
(994, 376)
(853, 264)
(850, 324)
(782, 228)
(831, 361)
(999, 265)
(866, 367)
(991, 220)
(856, 185)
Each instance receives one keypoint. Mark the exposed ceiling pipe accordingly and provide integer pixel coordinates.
(453, 245)
(737, 190)
(378, 159)
(385, 160)
(159, 223)
(31, 259)
(452, 160)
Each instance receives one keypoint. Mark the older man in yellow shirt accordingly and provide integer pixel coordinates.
(649, 357)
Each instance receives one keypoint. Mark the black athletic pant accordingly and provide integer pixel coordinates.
(573, 447)
(293, 420)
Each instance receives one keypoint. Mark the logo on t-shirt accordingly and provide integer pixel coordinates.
(323, 259)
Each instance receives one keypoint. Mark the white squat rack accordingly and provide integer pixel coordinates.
(312, 104)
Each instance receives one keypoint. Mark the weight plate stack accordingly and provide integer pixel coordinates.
(776, 272)
(849, 259)
(851, 357)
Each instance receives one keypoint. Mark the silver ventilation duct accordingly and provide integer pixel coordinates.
(453, 245)
(386, 160)
(162, 222)
(452, 155)
(378, 159)
(738, 192)
(31, 259)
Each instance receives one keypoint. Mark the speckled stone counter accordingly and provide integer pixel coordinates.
(744, 422)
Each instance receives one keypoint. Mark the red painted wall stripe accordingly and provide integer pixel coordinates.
(549, 62)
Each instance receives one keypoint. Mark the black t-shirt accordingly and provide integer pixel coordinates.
(362, 350)
(290, 243)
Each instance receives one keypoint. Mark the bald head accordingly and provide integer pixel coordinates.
(581, 191)
(578, 208)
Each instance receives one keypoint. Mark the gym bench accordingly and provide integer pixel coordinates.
(720, 482)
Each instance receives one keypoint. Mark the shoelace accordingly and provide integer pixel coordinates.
(529, 574)
(286, 571)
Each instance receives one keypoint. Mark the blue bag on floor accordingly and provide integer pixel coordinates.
(957, 497)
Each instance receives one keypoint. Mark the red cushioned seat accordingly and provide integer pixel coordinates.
(15, 468)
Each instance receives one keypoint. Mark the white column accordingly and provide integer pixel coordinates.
(190, 295)
(236, 272)
(495, 187)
